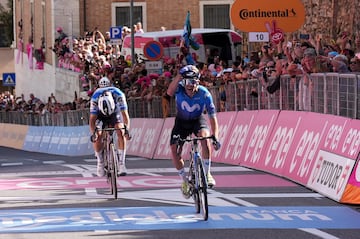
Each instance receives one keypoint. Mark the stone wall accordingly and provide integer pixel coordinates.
(331, 17)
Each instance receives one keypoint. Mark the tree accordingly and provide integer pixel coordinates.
(6, 24)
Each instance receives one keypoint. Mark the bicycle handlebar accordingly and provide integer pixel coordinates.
(190, 139)
(94, 136)
(215, 142)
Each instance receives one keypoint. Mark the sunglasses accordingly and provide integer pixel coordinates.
(191, 81)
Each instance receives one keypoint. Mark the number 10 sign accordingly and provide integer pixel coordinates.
(258, 36)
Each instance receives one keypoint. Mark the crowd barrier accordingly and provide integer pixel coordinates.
(318, 151)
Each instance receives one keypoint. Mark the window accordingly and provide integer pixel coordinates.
(121, 14)
(215, 14)
(3, 42)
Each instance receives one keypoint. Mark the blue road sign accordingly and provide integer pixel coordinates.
(9, 79)
(153, 50)
(115, 32)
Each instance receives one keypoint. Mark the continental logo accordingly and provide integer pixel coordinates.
(252, 16)
(246, 14)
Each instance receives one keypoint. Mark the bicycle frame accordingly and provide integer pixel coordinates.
(111, 164)
(110, 159)
(197, 177)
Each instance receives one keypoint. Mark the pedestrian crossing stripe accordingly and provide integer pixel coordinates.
(8, 79)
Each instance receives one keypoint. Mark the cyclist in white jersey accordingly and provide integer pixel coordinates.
(192, 100)
(108, 107)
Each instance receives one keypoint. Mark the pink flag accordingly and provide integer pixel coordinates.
(30, 55)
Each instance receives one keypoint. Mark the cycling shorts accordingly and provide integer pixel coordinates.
(185, 128)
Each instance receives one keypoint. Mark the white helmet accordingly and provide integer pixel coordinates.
(106, 103)
(104, 82)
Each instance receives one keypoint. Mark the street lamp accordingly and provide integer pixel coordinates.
(132, 33)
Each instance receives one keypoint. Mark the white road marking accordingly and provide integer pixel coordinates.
(318, 233)
(54, 162)
(11, 164)
(90, 192)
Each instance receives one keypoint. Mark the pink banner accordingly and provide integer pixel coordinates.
(343, 137)
(139, 41)
(355, 176)
(257, 137)
(295, 144)
(233, 142)
(163, 147)
(145, 134)
(29, 50)
(225, 121)
(352, 190)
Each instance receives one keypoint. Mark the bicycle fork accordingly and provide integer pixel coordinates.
(196, 167)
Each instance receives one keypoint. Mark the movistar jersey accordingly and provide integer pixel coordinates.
(118, 95)
(192, 107)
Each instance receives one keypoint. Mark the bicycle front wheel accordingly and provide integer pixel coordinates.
(113, 171)
(194, 189)
(202, 190)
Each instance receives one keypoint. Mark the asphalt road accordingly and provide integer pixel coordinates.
(51, 196)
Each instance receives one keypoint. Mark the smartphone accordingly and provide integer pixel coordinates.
(289, 44)
(304, 36)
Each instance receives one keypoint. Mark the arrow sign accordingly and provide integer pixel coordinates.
(8, 79)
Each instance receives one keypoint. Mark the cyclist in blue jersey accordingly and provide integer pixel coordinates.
(192, 100)
(108, 107)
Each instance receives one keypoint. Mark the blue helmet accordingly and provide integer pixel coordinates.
(190, 72)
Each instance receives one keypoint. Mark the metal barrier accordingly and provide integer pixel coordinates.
(327, 93)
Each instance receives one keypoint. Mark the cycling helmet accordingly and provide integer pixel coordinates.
(106, 103)
(104, 82)
(190, 72)
(190, 75)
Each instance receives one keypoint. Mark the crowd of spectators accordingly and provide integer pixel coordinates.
(93, 56)
(34, 105)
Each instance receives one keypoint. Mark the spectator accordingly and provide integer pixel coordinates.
(61, 33)
(34, 100)
(355, 64)
(138, 28)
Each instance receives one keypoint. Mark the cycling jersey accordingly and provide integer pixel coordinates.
(118, 95)
(189, 108)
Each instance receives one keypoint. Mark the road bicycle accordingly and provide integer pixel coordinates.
(111, 162)
(196, 176)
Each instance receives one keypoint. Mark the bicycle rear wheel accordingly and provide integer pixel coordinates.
(113, 171)
(202, 190)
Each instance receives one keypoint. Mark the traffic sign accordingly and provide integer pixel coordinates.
(9, 79)
(115, 41)
(153, 65)
(115, 32)
(153, 50)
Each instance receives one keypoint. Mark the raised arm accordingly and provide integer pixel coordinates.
(173, 85)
